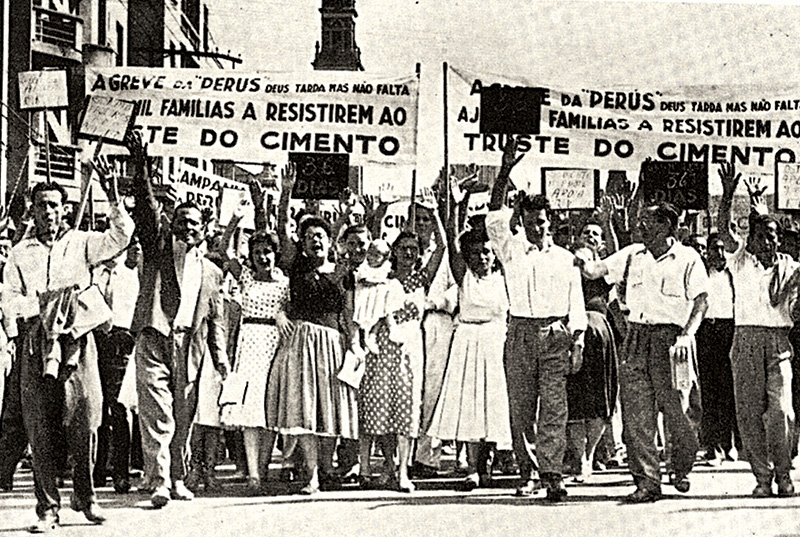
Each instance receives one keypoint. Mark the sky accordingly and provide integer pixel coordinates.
(566, 43)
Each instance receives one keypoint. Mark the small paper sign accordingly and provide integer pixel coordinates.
(787, 186)
(230, 200)
(683, 184)
(43, 89)
(107, 118)
(571, 188)
(321, 176)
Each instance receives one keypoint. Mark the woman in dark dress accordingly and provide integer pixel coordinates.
(592, 392)
(305, 399)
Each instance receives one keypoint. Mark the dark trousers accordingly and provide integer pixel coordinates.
(718, 427)
(113, 350)
(645, 390)
(536, 358)
(61, 412)
(13, 439)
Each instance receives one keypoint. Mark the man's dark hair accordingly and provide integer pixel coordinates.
(313, 221)
(667, 212)
(473, 236)
(355, 229)
(44, 186)
(762, 220)
(188, 205)
(535, 203)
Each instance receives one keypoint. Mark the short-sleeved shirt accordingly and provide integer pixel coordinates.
(751, 282)
(542, 282)
(720, 294)
(662, 290)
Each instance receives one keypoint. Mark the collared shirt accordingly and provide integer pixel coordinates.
(540, 283)
(33, 267)
(659, 291)
(120, 287)
(189, 269)
(751, 281)
(720, 294)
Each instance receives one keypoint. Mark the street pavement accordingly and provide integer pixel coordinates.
(718, 504)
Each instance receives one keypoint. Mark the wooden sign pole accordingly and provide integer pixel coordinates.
(47, 146)
(87, 187)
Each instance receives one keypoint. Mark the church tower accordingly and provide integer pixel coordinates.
(338, 50)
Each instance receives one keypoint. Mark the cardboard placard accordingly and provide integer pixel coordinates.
(320, 175)
(571, 188)
(229, 201)
(510, 110)
(43, 89)
(683, 184)
(787, 186)
(106, 118)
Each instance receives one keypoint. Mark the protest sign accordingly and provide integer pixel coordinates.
(106, 118)
(617, 128)
(43, 89)
(320, 175)
(259, 116)
(683, 184)
(203, 187)
(787, 186)
(229, 200)
(571, 188)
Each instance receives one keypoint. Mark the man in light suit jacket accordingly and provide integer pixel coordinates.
(179, 319)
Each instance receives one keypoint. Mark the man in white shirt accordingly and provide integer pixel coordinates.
(719, 433)
(118, 279)
(180, 321)
(55, 260)
(666, 290)
(545, 332)
(765, 284)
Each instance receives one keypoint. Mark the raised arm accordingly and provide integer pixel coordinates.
(287, 184)
(432, 267)
(259, 195)
(147, 213)
(103, 246)
(225, 248)
(510, 159)
(606, 213)
(730, 180)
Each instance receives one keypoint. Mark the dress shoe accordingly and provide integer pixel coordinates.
(309, 490)
(423, 471)
(528, 488)
(160, 497)
(405, 485)
(556, 493)
(122, 485)
(762, 490)
(47, 522)
(180, 492)
(785, 486)
(91, 511)
(471, 482)
(681, 484)
(643, 496)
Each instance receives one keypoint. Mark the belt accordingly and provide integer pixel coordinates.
(259, 320)
(540, 320)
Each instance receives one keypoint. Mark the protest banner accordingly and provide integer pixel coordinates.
(261, 116)
(106, 118)
(571, 188)
(617, 128)
(43, 89)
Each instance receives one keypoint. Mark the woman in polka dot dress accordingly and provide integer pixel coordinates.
(390, 395)
(265, 294)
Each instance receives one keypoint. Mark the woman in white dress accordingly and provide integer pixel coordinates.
(473, 404)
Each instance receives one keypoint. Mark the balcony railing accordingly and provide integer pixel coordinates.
(63, 165)
(57, 33)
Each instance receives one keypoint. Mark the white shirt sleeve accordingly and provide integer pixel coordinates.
(498, 228)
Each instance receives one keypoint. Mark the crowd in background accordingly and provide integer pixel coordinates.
(537, 346)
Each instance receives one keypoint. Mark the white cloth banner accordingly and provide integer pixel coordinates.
(250, 117)
(617, 128)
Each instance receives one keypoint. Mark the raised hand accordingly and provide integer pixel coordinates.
(257, 191)
(108, 177)
(729, 177)
(756, 192)
(288, 176)
(137, 149)
(510, 157)
(241, 209)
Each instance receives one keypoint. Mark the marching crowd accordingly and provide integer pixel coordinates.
(497, 332)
